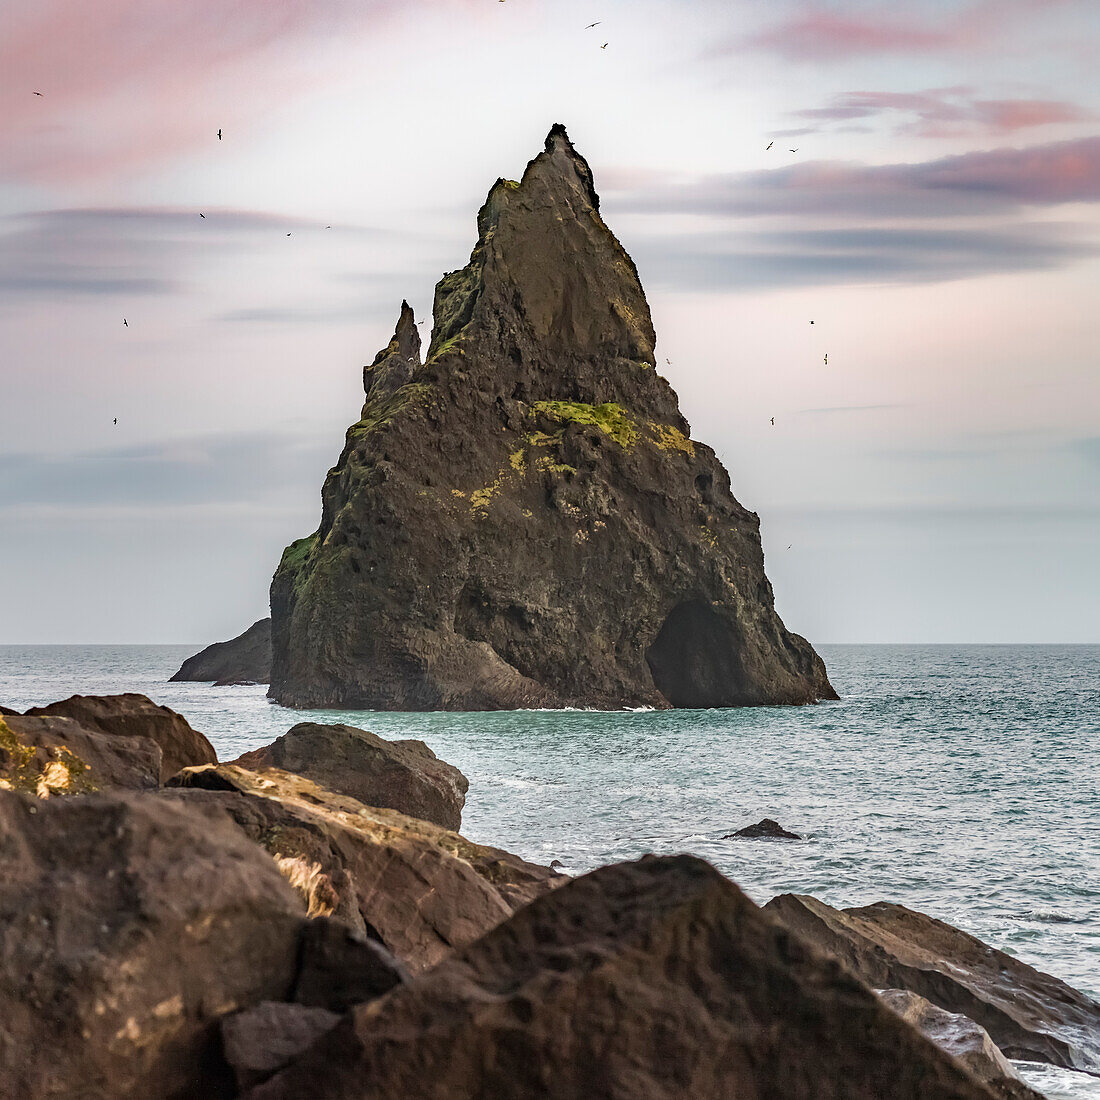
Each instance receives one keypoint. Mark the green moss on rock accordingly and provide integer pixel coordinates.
(613, 420)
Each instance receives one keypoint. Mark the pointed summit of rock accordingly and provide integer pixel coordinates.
(393, 366)
(523, 519)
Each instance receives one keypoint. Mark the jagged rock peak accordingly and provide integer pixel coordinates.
(523, 519)
(393, 366)
(547, 276)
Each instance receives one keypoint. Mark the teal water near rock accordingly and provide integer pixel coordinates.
(959, 780)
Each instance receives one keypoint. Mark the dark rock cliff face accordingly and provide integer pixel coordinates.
(245, 659)
(522, 519)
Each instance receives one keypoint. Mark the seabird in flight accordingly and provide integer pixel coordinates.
(591, 25)
(826, 359)
(36, 93)
(773, 421)
(768, 146)
(794, 150)
(116, 421)
(219, 135)
(605, 45)
(125, 322)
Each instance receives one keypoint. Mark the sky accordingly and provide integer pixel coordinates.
(930, 200)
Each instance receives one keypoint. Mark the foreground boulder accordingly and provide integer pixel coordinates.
(419, 890)
(261, 1040)
(655, 979)
(132, 715)
(1030, 1015)
(245, 659)
(399, 775)
(48, 756)
(128, 926)
(956, 1035)
(521, 519)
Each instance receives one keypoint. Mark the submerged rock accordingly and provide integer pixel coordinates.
(399, 775)
(956, 1035)
(128, 925)
(245, 659)
(655, 979)
(1030, 1015)
(133, 715)
(419, 890)
(522, 519)
(766, 829)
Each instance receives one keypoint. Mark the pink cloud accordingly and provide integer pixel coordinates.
(949, 112)
(127, 83)
(820, 35)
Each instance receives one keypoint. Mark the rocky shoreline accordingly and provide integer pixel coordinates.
(307, 920)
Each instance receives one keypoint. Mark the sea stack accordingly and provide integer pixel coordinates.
(521, 519)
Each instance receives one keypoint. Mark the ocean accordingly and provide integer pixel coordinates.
(958, 780)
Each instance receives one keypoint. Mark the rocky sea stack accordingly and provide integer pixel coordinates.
(521, 519)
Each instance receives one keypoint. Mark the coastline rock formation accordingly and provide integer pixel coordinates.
(128, 925)
(137, 716)
(245, 659)
(655, 979)
(1030, 1015)
(398, 775)
(522, 519)
(956, 1035)
(51, 756)
(419, 890)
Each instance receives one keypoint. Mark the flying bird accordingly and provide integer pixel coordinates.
(768, 146)
(202, 216)
(36, 93)
(826, 359)
(219, 135)
(288, 234)
(811, 322)
(794, 150)
(116, 421)
(773, 421)
(605, 45)
(591, 25)
(125, 322)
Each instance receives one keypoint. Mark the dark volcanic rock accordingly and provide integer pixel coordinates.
(656, 979)
(1029, 1015)
(766, 829)
(338, 968)
(401, 775)
(132, 715)
(263, 1039)
(522, 519)
(956, 1035)
(416, 888)
(128, 925)
(7, 711)
(245, 659)
(51, 756)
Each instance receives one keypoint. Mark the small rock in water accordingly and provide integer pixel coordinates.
(766, 829)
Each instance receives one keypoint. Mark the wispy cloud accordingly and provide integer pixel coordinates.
(255, 467)
(757, 260)
(131, 251)
(946, 112)
(969, 184)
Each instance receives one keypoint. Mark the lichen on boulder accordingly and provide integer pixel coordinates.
(522, 518)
